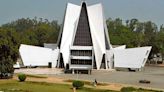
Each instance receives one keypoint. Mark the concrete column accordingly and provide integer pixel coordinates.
(89, 72)
(73, 72)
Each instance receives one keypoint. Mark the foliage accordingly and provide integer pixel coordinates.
(88, 82)
(15, 86)
(21, 77)
(35, 31)
(23, 31)
(136, 34)
(38, 31)
(29, 86)
(132, 89)
(6, 68)
(8, 51)
(77, 84)
(128, 89)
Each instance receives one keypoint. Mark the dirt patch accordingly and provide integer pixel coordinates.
(115, 87)
(48, 79)
(107, 86)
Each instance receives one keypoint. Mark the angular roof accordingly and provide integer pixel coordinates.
(85, 26)
(97, 25)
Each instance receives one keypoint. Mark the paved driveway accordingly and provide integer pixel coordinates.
(154, 74)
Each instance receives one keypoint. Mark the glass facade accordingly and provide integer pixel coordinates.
(81, 62)
(83, 35)
(81, 52)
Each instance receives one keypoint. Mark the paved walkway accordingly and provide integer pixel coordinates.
(44, 71)
(154, 74)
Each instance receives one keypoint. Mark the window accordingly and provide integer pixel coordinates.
(81, 62)
(81, 52)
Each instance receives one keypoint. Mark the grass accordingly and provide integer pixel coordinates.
(88, 83)
(15, 86)
(132, 89)
(35, 76)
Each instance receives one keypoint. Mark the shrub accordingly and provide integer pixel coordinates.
(22, 77)
(128, 89)
(77, 84)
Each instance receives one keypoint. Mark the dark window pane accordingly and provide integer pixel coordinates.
(83, 35)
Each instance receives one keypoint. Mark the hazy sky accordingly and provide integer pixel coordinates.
(54, 9)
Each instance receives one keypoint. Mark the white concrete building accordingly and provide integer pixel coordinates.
(84, 44)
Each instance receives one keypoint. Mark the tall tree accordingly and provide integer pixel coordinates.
(8, 51)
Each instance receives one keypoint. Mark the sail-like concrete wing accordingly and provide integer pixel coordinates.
(38, 56)
(120, 47)
(96, 24)
(131, 58)
(84, 44)
(70, 23)
(97, 31)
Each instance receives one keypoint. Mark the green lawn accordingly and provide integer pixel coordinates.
(15, 86)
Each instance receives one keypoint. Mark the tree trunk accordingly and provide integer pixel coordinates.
(74, 89)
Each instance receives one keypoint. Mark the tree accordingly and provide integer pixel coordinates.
(8, 51)
(136, 34)
(160, 41)
(25, 31)
(150, 36)
(120, 34)
(133, 23)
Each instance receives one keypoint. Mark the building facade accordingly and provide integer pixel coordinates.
(84, 44)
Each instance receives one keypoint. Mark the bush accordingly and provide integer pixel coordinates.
(128, 89)
(77, 84)
(22, 77)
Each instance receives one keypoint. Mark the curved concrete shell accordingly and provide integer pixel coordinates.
(84, 44)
